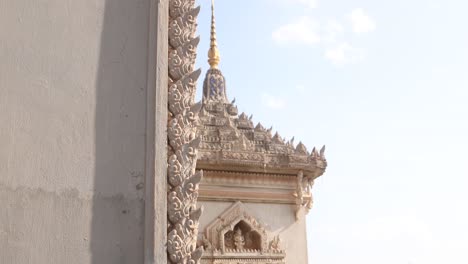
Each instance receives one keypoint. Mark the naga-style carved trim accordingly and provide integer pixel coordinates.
(183, 181)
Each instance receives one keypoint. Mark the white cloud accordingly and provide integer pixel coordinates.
(302, 31)
(330, 34)
(343, 54)
(332, 30)
(273, 102)
(361, 22)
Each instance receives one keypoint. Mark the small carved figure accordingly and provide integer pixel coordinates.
(207, 244)
(239, 240)
(300, 186)
(308, 183)
(275, 243)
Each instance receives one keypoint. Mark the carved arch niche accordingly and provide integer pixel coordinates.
(242, 237)
(236, 234)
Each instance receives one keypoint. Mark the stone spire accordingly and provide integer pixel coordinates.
(214, 86)
(213, 52)
(230, 142)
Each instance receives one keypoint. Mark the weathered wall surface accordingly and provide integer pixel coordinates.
(73, 102)
(279, 220)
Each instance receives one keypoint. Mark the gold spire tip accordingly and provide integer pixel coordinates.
(213, 52)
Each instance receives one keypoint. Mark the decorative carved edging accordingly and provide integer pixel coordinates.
(183, 181)
(315, 163)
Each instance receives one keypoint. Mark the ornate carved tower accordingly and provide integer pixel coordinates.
(256, 186)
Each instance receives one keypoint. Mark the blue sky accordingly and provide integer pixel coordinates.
(384, 85)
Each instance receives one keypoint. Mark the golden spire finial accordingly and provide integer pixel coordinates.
(213, 53)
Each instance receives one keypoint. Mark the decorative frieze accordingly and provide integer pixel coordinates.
(246, 179)
(242, 261)
(248, 187)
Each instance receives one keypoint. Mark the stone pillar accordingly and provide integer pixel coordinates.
(156, 161)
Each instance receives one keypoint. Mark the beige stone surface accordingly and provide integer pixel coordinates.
(74, 81)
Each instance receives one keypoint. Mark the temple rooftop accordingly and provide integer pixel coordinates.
(231, 142)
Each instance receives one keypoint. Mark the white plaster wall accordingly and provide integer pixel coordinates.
(278, 218)
(73, 85)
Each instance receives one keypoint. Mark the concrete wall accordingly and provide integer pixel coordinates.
(74, 129)
(279, 220)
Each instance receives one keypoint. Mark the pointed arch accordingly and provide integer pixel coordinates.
(226, 222)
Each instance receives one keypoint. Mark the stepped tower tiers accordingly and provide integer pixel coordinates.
(231, 142)
(246, 166)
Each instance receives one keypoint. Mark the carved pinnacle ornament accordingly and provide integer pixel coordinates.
(213, 52)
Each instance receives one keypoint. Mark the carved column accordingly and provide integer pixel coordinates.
(183, 182)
